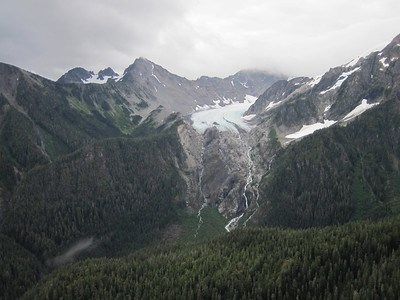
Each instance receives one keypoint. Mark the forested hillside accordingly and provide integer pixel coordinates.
(121, 191)
(83, 176)
(110, 197)
(20, 269)
(337, 174)
(354, 261)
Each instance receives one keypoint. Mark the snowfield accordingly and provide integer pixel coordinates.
(225, 118)
(342, 78)
(359, 110)
(309, 129)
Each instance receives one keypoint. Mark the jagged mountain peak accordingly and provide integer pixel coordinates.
(337, 96)
(143, 69)
(146, 85)
(81, 75)
(107, 72)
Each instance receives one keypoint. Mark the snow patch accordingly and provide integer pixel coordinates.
(382, 61)
(327, 108)
(156, 78)
(309, 129)
(342, 78)
(232, 83)
(315, 80)
(95, 79)
(244, 84)
(353, 62)
(152, 74)
(249, 117)
(217, 102)
(204, 107)
(377, 48)
(226, 101)
(251, 99)
(359, 110)
(272, 105)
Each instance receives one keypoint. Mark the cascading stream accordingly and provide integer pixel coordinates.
(249, 176)
(202, 195)
(255, 188)
(233, 223)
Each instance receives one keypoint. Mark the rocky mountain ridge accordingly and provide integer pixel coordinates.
(290, 104)
(286, 112)
(148, 88)
(116, 164)
(81, 75)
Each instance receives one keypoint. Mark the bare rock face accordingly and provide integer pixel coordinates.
(148, 88)
(217, 168)
(225, 170)
(192, 144)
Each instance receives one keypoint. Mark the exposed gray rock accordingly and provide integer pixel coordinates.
(81, 75)
(108, 72)
(76, 75)
(147, 87)
(288, 105)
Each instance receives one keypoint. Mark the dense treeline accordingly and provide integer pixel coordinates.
(353, 261)
(19, 144)
(121, 191)
(337, 174)
(69, 173)
(20, 269)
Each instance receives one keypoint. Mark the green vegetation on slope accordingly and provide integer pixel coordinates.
(337, 174)
(213, 224)
(19, 269)
(357, 260)
(121, 191)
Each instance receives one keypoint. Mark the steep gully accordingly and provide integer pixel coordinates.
(234, 223)
(251, 205)
(201, 193)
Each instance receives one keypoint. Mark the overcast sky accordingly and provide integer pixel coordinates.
(193, 37)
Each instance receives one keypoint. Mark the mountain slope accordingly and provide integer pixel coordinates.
(122, 192)
(76, 181)
(38, 123)
(289, 105)
(337, 174)
(355, 260)
(20, 269)
(149, 87)
(349, 171)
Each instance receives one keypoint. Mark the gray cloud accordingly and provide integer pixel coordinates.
(192, 37)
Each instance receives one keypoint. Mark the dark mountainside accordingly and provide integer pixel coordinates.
(103, 176)
(346, 172)
(355, 261)
(78, 167)
(338, 174)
